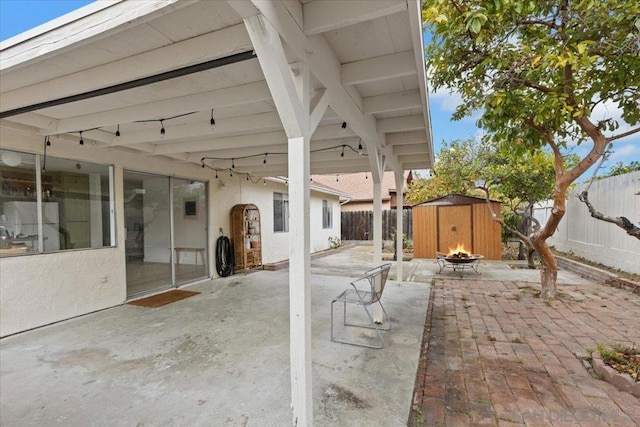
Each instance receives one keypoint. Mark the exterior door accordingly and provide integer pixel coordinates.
(454, 228)
(148, 233)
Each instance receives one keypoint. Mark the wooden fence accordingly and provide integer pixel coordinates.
(358, 225)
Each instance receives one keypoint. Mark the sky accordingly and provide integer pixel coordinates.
(17, 16)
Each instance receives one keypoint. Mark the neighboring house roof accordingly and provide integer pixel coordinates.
(359, 185)
(314, 186)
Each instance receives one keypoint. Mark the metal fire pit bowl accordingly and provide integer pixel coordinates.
(458, 263)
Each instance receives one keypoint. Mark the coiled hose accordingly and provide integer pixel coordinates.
(224, 256)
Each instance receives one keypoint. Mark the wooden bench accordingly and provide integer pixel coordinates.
(196, 251)
(364, 296)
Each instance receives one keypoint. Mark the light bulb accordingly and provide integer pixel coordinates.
(343, 128)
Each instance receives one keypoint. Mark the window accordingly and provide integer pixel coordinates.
(280, 212)
(327, 214)
(73, 209)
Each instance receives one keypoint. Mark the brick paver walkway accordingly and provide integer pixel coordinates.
(498, 355)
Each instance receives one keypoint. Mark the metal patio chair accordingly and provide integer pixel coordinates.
(365, 297)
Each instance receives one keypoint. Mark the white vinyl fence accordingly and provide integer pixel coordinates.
(594, 239)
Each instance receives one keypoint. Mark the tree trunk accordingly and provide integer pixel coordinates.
(548, 266)
(530, 263)
(548, 269)
(522, 247)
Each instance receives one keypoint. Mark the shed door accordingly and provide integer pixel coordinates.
(454, 227)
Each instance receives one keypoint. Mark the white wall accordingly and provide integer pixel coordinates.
(597, 240)
(275, 246)
(37, 290)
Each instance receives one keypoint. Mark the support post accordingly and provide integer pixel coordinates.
(399, 174)
(290, 88)
(377, 176)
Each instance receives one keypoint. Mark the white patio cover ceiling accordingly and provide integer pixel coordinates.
(365, 59)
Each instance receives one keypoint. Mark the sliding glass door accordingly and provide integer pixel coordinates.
(189, 230)
(166, 235)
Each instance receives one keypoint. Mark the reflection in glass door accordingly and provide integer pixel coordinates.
(166, 232)
(148, 233)
(189, 230)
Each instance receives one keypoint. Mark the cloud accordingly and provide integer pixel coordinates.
(446, 100)
(624, 152)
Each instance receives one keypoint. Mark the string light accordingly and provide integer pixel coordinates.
(343, 127)
(81, 140)
(162, 120)
(48, 141)
(232, 169)
(212, 122)
(118, 132)
(360, 146)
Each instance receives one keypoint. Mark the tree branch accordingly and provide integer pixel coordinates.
(622, 222)
(623, 134)
(549, 24)
(530, 84)
(499, 220)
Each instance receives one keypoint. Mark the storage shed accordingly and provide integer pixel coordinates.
(441, 224)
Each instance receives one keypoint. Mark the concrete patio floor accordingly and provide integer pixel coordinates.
(220, 358)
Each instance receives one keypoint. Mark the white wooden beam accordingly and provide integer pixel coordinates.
(377, 224)
(416, 25)
(268, 46)
(331, 134)
(399, 175)
(220, 98)
(291, 94)
(210, 46)
(323, 16)
(319, 105)
(45, 125)
(380, 68)
(401, 150)
(250, 124)
(416, 161)
(392, 102)
(402, 138)
(327, 69)
(408, 165)
(401, 124)
(34, 46)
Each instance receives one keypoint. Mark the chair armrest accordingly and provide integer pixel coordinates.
(361, 292)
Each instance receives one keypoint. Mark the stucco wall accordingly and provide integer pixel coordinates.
(276, 245)
(37, 290)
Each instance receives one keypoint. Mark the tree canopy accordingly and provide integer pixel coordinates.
(537, 70)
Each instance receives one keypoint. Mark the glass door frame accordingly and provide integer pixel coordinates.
(172, 227)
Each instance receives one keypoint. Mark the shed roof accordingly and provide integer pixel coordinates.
(455, 199)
